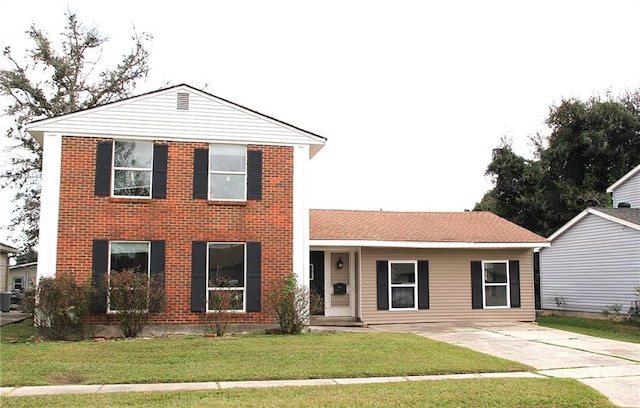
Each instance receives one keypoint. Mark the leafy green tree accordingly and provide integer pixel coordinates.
(591, 144)
(52, 80)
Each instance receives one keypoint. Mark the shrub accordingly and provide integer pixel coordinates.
(291, 304)
(219, 314)
(133, 296)
(59, 306)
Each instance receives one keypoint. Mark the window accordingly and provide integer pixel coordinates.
(402, 284)
(226, 272)
(132, 168)
(227, 172)
(495, 283)
(18, 283)
(128, 255)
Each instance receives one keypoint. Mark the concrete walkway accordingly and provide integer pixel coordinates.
(609, 366)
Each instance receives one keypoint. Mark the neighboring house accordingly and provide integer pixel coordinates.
(6, 251)
(627, 189)
(594, 260)
(179, 184)
(209, 196)
(22, 276)
(402, 267)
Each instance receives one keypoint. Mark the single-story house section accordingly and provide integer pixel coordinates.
(6, 251)
(22, 276)
(408, 267)
(593, 262)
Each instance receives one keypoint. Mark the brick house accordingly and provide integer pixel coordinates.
(181, 183)
(209, 195)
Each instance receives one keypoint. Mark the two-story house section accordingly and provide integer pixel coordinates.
(181, 183)
(626, 190)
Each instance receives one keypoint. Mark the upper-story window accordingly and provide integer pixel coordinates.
(224, 172)
(132, 168)
(227, 172)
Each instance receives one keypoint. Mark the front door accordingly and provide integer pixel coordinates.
(339, 284)
(316, 280)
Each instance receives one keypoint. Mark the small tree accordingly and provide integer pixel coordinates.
(59, 306)
(133, 296)
(289, 302)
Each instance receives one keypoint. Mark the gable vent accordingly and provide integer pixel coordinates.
(182, 101)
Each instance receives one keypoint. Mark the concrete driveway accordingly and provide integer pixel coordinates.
(609, 366)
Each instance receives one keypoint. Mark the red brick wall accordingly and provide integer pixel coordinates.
(178, 220)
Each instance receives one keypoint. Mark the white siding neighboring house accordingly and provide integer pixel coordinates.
(627, 189)
(594, 260)
(6, 251)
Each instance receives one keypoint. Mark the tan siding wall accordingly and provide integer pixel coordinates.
(449, 285)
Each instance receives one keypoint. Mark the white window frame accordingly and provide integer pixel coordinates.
(413, 285)
(235, 288)
(140, 169)
(485, 285)
(109, 310)
(210, 173)
(15, 279)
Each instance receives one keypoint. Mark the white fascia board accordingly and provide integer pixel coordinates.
(428, 245)
(127, 135)
(568, 225)
(623, 179)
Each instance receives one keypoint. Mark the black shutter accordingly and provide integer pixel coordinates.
(100, 263)
(514, 283)
(103, 169)
(157, 272)
(382, 284)
(254, 175)
(423, 284)
(476, 285)
(200, 173)
(160, 157)
(198, 276)
(254, 269)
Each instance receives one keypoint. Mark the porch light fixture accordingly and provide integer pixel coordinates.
(340, 264)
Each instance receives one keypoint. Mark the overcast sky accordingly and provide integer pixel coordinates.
(411, 95)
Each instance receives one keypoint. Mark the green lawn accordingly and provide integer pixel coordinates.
(505, 393)
(607, 329)
(232, 358)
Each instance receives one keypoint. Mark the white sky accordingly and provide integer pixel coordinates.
(412, 95)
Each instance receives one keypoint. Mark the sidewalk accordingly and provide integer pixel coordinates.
(108, 388)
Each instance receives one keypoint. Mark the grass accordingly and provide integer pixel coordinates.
(509, 392)
(608, 329)
(233, 358)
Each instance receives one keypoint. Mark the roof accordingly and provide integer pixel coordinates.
(629, 217)
(7, 248)
(24, 265)
(624, 178)
(209, 116)
(418, 229)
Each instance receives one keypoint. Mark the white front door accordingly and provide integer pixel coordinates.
(339, 295)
